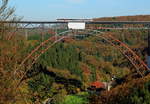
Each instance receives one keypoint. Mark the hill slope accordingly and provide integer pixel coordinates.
(125, 18)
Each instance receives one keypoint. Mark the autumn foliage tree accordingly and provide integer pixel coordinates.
(8, 55)
(6, 13)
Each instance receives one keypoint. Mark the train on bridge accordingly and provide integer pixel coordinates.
(74, 20)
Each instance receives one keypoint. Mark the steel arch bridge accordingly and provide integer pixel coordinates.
(32, 57)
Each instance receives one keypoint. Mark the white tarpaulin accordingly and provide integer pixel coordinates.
(76, 25)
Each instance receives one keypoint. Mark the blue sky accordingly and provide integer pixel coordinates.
(52, 9)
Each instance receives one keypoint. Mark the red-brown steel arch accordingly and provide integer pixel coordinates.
(31, 58)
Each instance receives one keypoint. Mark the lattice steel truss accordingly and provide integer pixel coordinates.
(135, 60)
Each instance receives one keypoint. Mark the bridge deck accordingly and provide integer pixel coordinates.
(65, 22)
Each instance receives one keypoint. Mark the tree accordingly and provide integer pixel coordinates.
(9, 57)
(7, 13)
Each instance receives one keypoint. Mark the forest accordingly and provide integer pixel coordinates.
(63, 73)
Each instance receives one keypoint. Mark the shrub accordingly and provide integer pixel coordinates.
(74, 100)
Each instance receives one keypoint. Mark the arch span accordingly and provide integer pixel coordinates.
(134, 59)
(32, 57)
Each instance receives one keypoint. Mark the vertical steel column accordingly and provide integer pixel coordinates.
(42, 34)
(26, 34)
(56, 32)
